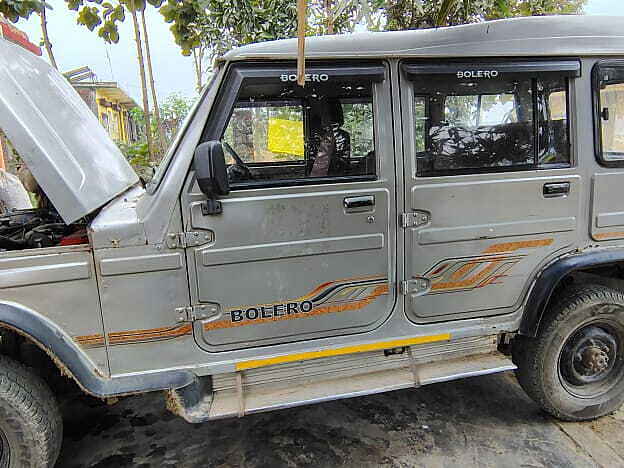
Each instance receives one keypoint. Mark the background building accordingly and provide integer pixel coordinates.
(111, 104)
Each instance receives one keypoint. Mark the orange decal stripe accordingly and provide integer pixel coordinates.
(329, 309)
(153, 334)
(608, 235)
(470, 281)
(464, 270)
(90, 341)
(317, 290)
(513, 246)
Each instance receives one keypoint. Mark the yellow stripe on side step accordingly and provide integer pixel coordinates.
(340, 351)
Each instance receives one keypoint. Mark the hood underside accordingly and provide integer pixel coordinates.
(70, 154)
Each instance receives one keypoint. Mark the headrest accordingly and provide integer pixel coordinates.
(331, 113)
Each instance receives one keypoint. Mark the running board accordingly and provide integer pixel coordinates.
(274, 396)
(286, 386)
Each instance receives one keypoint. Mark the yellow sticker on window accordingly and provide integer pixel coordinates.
(285, 136)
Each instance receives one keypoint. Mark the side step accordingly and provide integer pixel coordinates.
(294, 384)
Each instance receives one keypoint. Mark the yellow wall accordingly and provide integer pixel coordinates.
(114, 121)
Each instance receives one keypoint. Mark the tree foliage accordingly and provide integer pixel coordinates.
(417, 14)
(340, 16)
(545, 7)
(106, 15)
(13, 10)
(224, 25)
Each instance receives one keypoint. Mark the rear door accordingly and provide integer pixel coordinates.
(305, 245)
(491, 188)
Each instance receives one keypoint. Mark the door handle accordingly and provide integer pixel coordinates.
(359, 203)
(556, 189)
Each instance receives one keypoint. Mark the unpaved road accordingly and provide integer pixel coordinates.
(485, 421)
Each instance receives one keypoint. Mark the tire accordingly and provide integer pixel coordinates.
(31, 428)
(574, 367)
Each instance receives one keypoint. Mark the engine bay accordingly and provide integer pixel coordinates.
(39, 228)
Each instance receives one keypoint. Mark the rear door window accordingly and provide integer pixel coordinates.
(608, 81)
(505, 122)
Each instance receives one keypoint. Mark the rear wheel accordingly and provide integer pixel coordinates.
(574, 368)
(31, 428)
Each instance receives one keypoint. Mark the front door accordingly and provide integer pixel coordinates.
(491, 188)
(305, 245)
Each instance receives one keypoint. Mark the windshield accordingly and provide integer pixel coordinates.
(164, 163)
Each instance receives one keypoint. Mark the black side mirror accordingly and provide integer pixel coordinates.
(211, 173)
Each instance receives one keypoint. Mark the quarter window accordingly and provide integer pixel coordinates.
(280, 133)
(609, 89)
(488, 125)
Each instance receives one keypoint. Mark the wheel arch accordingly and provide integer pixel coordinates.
(74, 363)
(550, 277)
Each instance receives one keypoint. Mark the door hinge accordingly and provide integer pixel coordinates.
(197, 312)
(415, 219)
(414, 286)
(183, 240)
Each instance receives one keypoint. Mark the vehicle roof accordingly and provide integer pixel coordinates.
(519, 37)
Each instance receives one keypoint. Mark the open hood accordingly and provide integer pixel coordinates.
(70, 154)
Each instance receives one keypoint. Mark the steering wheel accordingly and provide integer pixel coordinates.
(239, 171)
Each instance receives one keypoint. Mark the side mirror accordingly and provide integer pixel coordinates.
(211, 173)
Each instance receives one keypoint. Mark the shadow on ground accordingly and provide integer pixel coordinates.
(484, 421)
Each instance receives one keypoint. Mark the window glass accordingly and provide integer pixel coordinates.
(611, 112)
(420, 122)
(552, 105)
(463, 126)
(281, 132)
(266, 132)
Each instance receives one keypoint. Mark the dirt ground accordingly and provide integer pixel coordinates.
(484, 421)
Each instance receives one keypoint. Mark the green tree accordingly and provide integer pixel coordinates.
(207, 28)
(341, 16)
(174, 109)
(545, 7)
(106, 16)
(14, 10)
(46, 37)
(418, 14)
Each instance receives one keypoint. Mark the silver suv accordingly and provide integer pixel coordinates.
(430, 205)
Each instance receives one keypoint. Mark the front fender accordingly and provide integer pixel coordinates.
(70, 358)
(549, 278)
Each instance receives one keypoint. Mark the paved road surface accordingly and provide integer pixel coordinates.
(485, 421)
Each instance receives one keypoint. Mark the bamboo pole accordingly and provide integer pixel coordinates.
(301, 27)
(150, 74)
(146, 109)
(46, 37)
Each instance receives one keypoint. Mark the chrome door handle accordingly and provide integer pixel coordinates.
(556, 189)
(355, 203)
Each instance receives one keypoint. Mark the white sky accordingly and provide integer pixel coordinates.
(75, 46)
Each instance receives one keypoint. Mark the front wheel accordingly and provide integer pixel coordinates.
(31, 428)
(574, 367)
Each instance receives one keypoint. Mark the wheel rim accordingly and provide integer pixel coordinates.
(590, 361)
(5, 450)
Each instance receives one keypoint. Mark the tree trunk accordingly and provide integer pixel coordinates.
(329, 17)
(146, 110)
(46, 37)
(198, 58)
(150, 74)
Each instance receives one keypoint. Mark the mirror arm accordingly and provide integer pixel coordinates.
(211, 207)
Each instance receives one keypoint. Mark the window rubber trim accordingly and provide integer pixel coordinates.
(568, 67)
(595, 84)
(299, 182)
(535, 166)
(238, 73)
